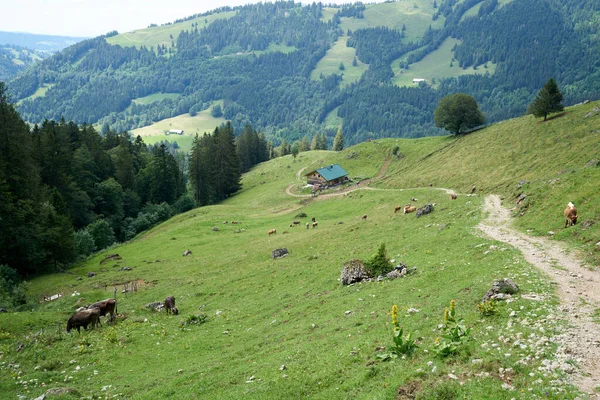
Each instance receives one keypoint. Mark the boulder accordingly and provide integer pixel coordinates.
(215, 229)
(187, 252)
(354, 271)
(278, 253)
(110, 257)
(426, 209)
(91, 274)
(125, 269)
(499, 289)
(155, 306)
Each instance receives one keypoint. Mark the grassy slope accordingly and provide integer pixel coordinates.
(161, 35)
(330, 63)
(201, 123)
(435, 65)
(293, 311)
(151, 98)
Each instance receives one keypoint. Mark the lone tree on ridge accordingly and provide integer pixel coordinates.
(458, 112)
(547, 101)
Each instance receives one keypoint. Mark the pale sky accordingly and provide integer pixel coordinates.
(96, 17)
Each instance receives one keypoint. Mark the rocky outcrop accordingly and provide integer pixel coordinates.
(500, 289)
(354, 271)
(279, 253)
(426, 209)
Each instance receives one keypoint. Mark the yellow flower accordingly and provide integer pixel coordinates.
(452, 304)
(437, 341)
(446, 315)
(395, 314)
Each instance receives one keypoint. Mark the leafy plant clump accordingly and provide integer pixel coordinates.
(194, 319)
(379, 264)
(403, 345)
(487, 308)
(454, 333)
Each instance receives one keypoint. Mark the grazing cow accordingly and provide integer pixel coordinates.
(414, 199)
(307, 225)
(473, 189)
(84, 318)
(314, 224)
(408, 208)
(170, 305)
(398, 208)
(570, 215)
(453, 196)
(272, 232)
(107, 306)
(313, 219)
(364, 217)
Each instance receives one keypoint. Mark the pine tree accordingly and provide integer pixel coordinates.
(315, 142)
(338, 141)
(226, 175)
(322, 142)
(199, 170)
(547, 101)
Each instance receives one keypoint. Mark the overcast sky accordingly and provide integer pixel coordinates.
(96, 17)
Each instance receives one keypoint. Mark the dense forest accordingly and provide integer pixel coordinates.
(529, 41)
(67, 190)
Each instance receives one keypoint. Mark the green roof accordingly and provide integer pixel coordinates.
(332, 172)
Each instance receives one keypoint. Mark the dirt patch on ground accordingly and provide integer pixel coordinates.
(408, 391)
(577, 287)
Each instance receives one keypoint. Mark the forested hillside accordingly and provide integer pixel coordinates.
(258, 60)
(14, 59)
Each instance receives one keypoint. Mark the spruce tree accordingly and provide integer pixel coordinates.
(226, 175)
(338, 141)
(322, 142)
(547, 101)
(315, 142)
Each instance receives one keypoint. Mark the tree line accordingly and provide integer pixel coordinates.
(67, 190)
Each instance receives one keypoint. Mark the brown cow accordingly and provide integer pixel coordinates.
(364, 217)
(107, 306)
(408, 208)
(170, 305)
(307, 225)
(272, 232)
(84, 318)
(473, 189)
(398, 208)
(570, 215)
(453, 196)
(315, 224)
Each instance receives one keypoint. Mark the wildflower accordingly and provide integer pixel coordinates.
(446, 315)
(395, 315)
(452, 305)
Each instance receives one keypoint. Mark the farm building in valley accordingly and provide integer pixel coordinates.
(175, 132)
(327, 176)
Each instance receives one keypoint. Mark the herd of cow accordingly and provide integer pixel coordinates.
(90, 316)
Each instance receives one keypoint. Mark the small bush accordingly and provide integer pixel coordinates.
(194, 319)
(379, 264)
(301, 215)
(487, 308)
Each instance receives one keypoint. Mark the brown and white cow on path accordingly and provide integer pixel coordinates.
(570, 215)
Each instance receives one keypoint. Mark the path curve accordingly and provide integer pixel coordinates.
(578, 289)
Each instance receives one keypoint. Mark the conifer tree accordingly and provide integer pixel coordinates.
(547, 101)
(338, 141)
(315, 142)
(322, 142)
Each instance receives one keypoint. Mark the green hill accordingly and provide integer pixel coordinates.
(286, 328)
(276, 66)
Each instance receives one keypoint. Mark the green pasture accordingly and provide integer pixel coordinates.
(287, 328)
(436, 65)
(332, 120)
(40, 92)
(202, 123)
(416, 15)
(154, 97)
(161, 35)
(330, 63)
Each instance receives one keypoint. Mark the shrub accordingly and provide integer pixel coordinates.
(301, 215)
(183, 204)
(84, 243)
(102, 233)
(379, 264)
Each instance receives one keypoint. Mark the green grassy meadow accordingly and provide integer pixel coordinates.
(330, 64)
(163, 35)
(154, 97)
(201, 123)
(416, 15)
(435, 65)
(287, 328)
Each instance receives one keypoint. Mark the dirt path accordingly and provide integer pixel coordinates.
(578, 289)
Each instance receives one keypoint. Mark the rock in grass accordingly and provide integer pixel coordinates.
(499, 288)
(278, 253)
(354, 271)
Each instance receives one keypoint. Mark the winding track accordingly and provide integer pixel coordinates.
(577, 287)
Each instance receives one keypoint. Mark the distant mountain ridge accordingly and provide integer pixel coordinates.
(50, 43)
(292, 70)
